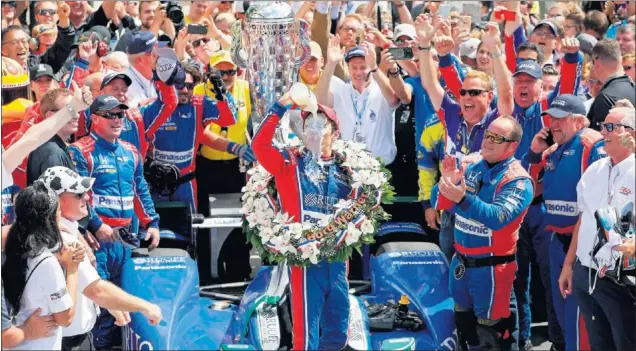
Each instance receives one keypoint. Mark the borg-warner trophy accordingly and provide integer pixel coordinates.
(273, 37)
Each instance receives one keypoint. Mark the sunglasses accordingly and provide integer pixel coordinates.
(112, 115)
(228, 72)
(9, 3)
(609, 126)
(78, 196)
(47, 12)
(198, 42)
(189, 86)
(497, 138)
(471, 92)
(627, 68)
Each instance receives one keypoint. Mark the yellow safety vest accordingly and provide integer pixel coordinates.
(236, 133)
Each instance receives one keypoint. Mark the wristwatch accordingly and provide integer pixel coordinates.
(422, 48)
(393, 74)
(496, 54)
(71, 109)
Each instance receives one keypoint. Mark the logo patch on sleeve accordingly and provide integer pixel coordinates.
(58, 295)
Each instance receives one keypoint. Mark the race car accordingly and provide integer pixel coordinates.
(402, 304)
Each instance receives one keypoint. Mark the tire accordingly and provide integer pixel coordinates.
(160, 252)
(406, 246)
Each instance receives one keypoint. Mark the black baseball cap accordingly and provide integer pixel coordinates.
(41, 70)
(565, 105)
(109, 78)
(104, 103)
(99, 33)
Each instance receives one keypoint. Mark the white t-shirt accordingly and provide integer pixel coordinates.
(86, 310)
(593, 192)
(378, 127)
(46, 289)
(141, 88)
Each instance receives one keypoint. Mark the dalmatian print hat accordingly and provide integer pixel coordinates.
(64, 180)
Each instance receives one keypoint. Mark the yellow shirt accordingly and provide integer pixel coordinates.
(236, 133)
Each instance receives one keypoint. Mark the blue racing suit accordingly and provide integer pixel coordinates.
(487, 222)
(533, 236)
(177, 140)
(319, 293)
(563, 167)
(119, 185)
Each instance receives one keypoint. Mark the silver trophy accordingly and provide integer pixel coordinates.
(273, 37)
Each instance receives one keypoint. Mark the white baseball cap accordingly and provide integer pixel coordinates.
(404, 29)
(469, 48)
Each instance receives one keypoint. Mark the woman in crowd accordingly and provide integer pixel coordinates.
(37, 278)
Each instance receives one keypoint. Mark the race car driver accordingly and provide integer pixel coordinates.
(176, 142)
(575, 148)
(490, 200)
(320, 290)
(117, 167)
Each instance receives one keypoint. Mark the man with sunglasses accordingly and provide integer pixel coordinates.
(490, 199)
(562, 164)
(119, 194)
(608, 307)
(177, 141)
(46, 12)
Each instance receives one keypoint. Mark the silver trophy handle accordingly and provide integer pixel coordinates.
(303, 43)
(239, 56)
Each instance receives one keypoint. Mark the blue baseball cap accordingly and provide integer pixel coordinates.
(565, 105)
(356, 51)
(550, 25)
(106, 102)
(143, 42)
(529, 67)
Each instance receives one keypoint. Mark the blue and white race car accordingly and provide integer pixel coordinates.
(255, 315)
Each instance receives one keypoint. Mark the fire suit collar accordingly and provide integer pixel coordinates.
(528, 113)
(103, 142)
(488, 175)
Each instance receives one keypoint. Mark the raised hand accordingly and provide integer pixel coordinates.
(387, 61)
(63, 12)
(424, 30)
(492, 38)
(370, 56)
(444, 45)
(335, 53)
(570, 45)
(82, 98)
(88, 49)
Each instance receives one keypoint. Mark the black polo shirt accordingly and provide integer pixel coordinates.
(616, 88)
(50, 154)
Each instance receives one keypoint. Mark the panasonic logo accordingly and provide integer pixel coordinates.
(469, 226)
(561, 208)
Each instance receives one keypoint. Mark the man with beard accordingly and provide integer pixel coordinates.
(177, 141)
(464, 122)
(576, 147)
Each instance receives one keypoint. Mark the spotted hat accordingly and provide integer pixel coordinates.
(64, 180)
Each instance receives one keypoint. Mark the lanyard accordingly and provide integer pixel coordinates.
(610, 188)
(354, 102)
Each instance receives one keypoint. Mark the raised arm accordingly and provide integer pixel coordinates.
(571, 69)
(492, 42)
(379, 77)
(403, 12)
(334, 56)
(425, 33)
(403, 91)
(270, 157)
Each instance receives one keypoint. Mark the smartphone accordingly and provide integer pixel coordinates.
(507, 15)
(197, 29)
(444, 10)
(464, 23)
(550, 139)
(359, 38)
(401, 53)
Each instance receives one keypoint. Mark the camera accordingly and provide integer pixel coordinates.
(175, 13)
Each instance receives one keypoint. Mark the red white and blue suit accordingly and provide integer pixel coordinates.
(177, 140)
(562, 168)
(319, 293)
(119, 190)
(487, 223)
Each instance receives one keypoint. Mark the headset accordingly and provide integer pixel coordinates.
(34, 43)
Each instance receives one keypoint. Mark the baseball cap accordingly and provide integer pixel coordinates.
(221, 56)
(404, 29)
(106, 103)
(565, 105)
(529, 67)
(143, 42)
(550, 25)
(356, 51)
(110, 76)
(315, 50)
(328, 112)
(65, 180)
(41, 70)
(586, 43)
(43, 29)
(469, 48)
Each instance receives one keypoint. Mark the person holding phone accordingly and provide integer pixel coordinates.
(562, 164)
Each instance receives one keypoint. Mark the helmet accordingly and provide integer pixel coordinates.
(15, 81)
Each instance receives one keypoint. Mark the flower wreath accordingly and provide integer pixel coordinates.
(278, 237)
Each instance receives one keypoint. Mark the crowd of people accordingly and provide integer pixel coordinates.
(509, 133)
